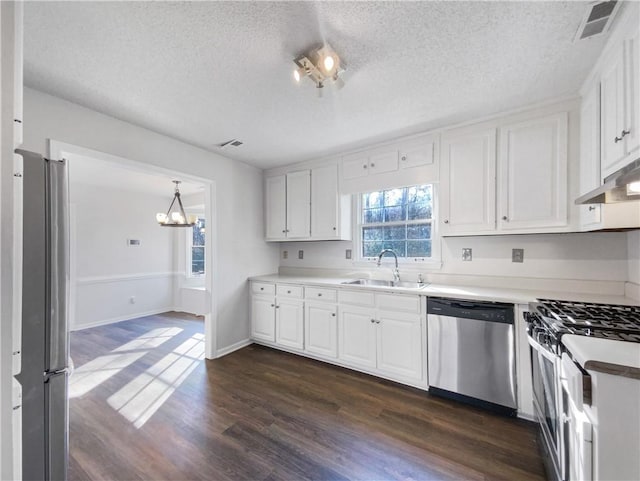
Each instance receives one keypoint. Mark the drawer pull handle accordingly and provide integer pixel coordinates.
(319, 294)
(262, 288)
(373, 321)
(288, 292)
(333, 314)
(273, 305)
(446, 221)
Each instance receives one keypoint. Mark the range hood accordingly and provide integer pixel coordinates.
(621, 186)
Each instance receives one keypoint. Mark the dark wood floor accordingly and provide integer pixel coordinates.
(160, 413)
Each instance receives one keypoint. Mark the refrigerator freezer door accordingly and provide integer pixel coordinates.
(57, 435)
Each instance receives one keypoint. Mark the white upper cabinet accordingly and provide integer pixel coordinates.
(532, 174)
(298, 205)
(418, 152)
(620, 102)
(377, 161)
(330, 212)
(468, 181)
(590, 215)
(287, 206)
(276, 207)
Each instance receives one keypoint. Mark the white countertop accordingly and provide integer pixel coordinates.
(591, 349)
(497, 294)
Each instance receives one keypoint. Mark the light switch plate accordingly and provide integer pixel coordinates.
(300, 254)
(347, 254)
(517, 255)
(467, 254)
(285, 254)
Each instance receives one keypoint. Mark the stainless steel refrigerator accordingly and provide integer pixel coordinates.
(45, 334)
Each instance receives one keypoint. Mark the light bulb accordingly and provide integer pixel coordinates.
(176, 217)
(633, 188)
(328, 63)
(192, 218)
(161, 217)
(296, 75)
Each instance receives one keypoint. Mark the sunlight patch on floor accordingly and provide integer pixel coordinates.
(138, 400)
(95, 372)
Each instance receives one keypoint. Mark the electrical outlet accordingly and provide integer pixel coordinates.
(347, 254)
(285, 254)
(300, 254)
(467, 253)
(517, 255)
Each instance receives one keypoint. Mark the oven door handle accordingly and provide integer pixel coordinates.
(544, 352)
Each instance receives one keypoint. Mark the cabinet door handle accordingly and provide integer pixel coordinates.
(262, 288)
(288, 292)
(592, 207)
(403, 158)
(373, 321)
(273, 305)
(334, 228)
(283, 231)
(364, 166)
(625, 132)
(319, 294)
(277, 307)
(617, 139)
(446, 221)
(333, 314)
(504, 217)
(372, 164)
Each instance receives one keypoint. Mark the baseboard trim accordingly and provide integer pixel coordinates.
(126, 317)
(233, 347)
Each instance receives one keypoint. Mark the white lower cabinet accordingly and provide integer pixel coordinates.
(263, 317)
(321, 329)
(289, 323)
(388, 341)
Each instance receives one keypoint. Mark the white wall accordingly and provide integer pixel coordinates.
(108, 272)
(633, 249)
(240, 250)
(598, 256)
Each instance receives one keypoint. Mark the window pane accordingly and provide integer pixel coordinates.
(197, 260)
(419, 231)
(198, 232)
(371, 216)
(372, 233)
(395, 214)
(399, 247)
(395, 233)
(419, 211)
(394, 197)
(419, 193)
(420, 248)
(371, 248)
(372, 199)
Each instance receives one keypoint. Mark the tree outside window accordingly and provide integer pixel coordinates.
(197, 248)
(398, 219)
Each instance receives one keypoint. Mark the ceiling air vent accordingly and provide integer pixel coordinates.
(230, 143)
(597, 19)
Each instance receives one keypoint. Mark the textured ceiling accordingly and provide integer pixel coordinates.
(206, 72)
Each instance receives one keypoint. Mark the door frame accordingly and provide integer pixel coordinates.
(58, 149)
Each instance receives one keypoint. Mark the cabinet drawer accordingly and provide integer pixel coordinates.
(320, 294)
(283, 290)
(263, 288)
(392, 302)
(358, 298)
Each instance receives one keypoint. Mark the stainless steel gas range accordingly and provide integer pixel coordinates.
(572, 427)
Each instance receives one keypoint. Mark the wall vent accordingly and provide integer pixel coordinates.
(597, 19)
(230, 143)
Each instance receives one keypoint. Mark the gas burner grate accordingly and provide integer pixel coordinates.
(607, 321)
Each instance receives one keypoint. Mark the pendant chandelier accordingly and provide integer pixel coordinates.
(175, 216)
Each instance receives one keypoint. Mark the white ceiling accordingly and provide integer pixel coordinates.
(207, 72)
(101, 173)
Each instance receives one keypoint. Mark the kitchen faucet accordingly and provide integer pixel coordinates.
(396, 272)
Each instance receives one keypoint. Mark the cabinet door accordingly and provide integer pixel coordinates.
(357, 336)
(355, 165)
(399, 344)
(263, 318)
(590, 154)
(468, 188)
(417, 152)
(532, 174)
(383, 160)
(299, 205)
(321, 329)
(612, 115)
(289, 323)
(324, 202)
(632, 94)
(276, 207)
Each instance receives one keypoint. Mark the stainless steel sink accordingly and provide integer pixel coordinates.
(380, 283)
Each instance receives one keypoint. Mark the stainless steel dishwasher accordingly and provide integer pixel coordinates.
(471, 352)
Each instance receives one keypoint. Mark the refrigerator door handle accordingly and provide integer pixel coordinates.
(49, 374)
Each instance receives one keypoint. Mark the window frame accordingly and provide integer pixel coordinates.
(434, 261)
(190, 246)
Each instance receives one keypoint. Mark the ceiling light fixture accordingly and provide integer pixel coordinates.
(321, 65)
(175, 217)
